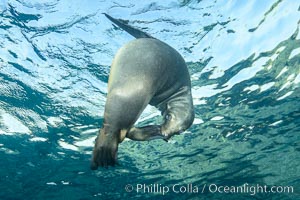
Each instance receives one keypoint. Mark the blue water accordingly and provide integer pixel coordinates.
(244, 61)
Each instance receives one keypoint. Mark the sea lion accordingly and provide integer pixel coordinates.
(144, 71)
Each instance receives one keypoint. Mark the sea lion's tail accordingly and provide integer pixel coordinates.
(129, 29)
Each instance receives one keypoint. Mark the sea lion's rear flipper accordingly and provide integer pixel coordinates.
(145, 133)
(131, 30)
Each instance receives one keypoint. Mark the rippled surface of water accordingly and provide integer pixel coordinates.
(244, 61)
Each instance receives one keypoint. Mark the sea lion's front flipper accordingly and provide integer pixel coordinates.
(145, 133)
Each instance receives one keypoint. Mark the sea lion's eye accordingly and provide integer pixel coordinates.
(168, 117)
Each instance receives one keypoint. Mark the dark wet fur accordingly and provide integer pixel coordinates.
(105, 152)
(106, 146)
